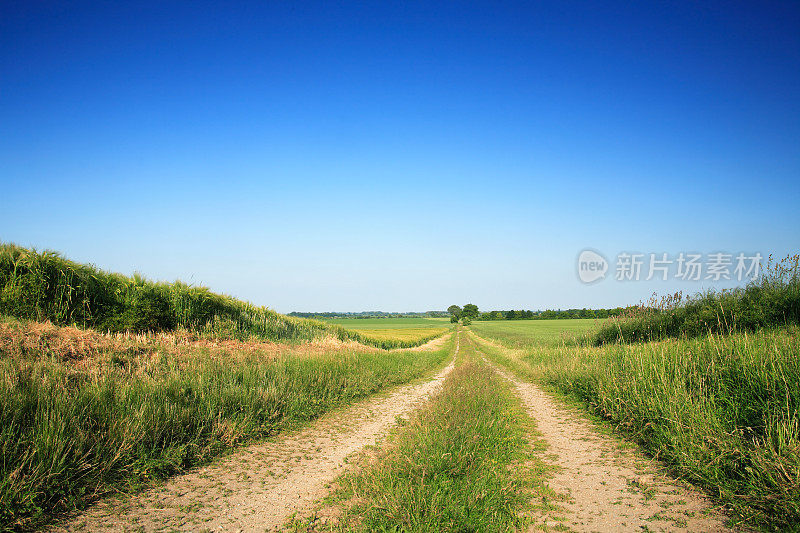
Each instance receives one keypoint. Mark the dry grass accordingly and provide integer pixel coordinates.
(84, 413)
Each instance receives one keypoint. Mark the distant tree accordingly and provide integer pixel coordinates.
(455, 311)
(453, 319)
(466, 321)
(471, 311)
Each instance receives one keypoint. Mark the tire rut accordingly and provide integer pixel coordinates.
(607, 486)
(260, 487)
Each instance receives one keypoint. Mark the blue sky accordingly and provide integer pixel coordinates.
(399, 156)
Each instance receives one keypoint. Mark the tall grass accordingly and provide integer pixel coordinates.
(45, 286)
(71, 432)
(772, 299)
(722, 411)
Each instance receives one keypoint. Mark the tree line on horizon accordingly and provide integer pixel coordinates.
(471, 312)
(370, 314)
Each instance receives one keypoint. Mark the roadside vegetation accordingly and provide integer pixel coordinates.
(83, 414)
(44, 286)
(464, 462)
(771, 300)
(720, 410)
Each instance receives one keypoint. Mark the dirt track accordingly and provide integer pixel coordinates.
(259, 487)
(608, 487)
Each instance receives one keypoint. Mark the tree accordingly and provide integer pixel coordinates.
(471, 311)
(455, 311)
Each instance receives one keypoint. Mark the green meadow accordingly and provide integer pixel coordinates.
(523, 333)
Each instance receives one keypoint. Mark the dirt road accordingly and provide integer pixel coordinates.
(259, 487)
(609, 487)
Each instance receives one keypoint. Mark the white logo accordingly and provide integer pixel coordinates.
(591, 266)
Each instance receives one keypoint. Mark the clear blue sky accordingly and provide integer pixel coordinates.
(398, 156)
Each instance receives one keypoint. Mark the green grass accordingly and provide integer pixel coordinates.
(524, 333)
(464, 462)
(771, 300)
(45, 286)
(70, 432)
(721, 411)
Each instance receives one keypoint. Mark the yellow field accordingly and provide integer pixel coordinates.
(404, 334)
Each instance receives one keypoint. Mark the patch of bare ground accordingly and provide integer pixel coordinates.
(260, 487)
(609, 487)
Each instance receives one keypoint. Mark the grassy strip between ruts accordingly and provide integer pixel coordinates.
(69, 433)
(467, 461)
(721, 411)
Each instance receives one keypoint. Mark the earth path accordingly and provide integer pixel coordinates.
(608, 487)
(260, 487)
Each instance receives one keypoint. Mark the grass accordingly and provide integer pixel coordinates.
(721, 411)
(45, 286)
(523, 333)
(75, 424)
(461, 463)
(771, 300)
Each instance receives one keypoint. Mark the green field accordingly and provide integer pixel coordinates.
(523, 333)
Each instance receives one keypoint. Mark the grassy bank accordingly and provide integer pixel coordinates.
(721, 411)
(771, 300)
(461, 463)
(45, 286)
(73, 427)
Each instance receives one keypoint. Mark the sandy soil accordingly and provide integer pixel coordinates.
(609, 486)
(260, 487)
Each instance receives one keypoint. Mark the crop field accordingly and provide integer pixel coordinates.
(521, 333)
(394, 329)
(364, 324)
